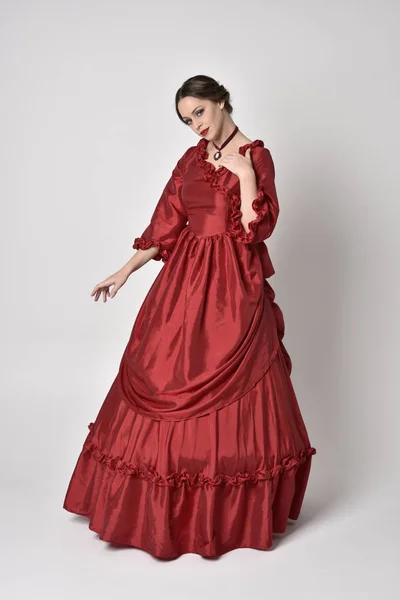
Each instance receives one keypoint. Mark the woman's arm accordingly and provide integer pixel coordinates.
(248, 191)
(119, 278)
(140, 258)
(255, 210)
(168, 220)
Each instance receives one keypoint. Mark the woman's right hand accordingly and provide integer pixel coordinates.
(117, 280)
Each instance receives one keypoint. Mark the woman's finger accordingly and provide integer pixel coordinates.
(97, 288)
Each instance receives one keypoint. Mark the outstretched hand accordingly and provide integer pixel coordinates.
(117, 280)
(237, 163)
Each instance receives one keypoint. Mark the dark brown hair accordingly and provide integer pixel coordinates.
(207, 88)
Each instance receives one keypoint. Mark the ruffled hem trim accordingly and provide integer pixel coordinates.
(197, 479)
(141, 243)
(259, 204)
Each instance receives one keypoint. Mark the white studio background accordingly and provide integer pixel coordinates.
(89, 137)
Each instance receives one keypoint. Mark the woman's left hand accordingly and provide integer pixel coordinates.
(237, 163)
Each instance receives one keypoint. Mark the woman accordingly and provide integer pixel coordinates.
(200, 445)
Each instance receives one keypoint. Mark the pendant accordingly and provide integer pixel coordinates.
(218, 154)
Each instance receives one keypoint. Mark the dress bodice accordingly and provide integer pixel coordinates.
(208, 192)
(205, 200)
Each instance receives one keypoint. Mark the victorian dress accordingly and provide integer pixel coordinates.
(200, 445)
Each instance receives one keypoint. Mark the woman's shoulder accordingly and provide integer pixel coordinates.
(187, 156)
(191, 151)
(259, 148)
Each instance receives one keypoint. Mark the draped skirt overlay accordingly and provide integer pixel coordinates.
(200, 445)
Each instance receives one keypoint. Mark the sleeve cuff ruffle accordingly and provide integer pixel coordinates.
(142, 244)
(259, 205)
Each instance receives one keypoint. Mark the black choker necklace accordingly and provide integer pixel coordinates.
(218, 154)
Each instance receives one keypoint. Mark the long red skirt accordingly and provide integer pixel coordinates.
(205, 485)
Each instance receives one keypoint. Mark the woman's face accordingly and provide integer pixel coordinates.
(201, 115)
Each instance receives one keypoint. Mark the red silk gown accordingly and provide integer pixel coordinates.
(200, 445)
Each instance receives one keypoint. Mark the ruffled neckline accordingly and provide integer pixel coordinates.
(213, 176)
(202, 155)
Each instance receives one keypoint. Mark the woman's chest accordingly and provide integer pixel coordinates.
(207, 187)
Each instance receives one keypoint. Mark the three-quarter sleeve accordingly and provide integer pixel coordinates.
(265, 204)
(168, 220)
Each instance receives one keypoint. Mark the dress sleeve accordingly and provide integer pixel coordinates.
(168, 219)
(266, 203)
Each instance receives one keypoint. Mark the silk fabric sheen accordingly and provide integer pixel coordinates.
(200, 445)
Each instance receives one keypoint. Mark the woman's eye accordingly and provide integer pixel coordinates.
(199, 112)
